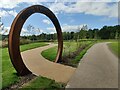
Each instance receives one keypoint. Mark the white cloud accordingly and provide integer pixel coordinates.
(67, 28)
(52, 32)
(24, 32)
(72, 28)
(46, 21)
(4, 13)
(56, 1)
(10, 4)
(7, 29)
(93, 8)
(36, 31)
(12, 12)
(51, 28)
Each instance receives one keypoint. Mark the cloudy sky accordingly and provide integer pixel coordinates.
(71, 15)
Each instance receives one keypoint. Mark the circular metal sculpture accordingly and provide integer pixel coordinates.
(14, 36)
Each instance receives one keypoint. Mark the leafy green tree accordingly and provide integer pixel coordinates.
(95, 33)
(90, 34)
(72, 35)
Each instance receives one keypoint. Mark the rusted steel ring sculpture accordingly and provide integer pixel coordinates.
(14, 36)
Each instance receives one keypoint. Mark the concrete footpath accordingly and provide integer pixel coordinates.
(38, 65)
(97, 69)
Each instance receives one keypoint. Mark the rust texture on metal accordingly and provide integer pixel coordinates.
(14, 36)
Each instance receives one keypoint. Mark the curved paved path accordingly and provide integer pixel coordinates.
(40, 66)
(97, 69)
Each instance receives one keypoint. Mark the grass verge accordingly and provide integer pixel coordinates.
(8, 72)
(42, 83)
(114, 48)
(50, 53)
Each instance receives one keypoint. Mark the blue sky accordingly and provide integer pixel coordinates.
(71, 15)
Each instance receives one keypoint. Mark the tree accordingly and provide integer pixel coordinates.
(72, 35)
(116, 35)
(54, 36)
(29, 28)
(82, 34)
(90, 34)
(95, 33)
(104, 33)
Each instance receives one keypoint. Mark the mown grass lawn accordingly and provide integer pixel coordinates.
(114, 47)
(42, 83)
(8, 72)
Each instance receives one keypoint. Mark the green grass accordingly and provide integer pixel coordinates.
(8, 72)
(69, 47)
(114, 47)
(31, 46)
(43, 83)
(50, 53)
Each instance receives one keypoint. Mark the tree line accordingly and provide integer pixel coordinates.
(106, 32)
